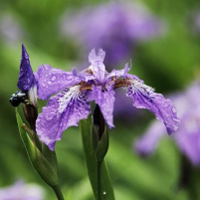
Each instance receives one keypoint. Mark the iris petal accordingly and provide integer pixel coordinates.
(97, 67)
(144, 97)
(105, 100)
(52, 80)
(26, 77)
(65, 109)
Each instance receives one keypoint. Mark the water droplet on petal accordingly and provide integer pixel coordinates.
(53, 78)
(174, 110)
(49, 116)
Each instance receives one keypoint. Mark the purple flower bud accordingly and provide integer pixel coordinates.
(26, 77)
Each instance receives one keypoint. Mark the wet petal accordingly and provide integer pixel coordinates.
(52, 80)
(105, 100)
(144, 97)
(97, 67)
(26, 77)
(62, 111)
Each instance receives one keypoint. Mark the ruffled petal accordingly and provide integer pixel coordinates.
(144, 97)
(52, 80)
(26, 77)
(62, 111)
(105, 100)
(97, 67)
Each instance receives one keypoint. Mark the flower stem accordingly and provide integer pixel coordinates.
(99, 180)
(58, 192)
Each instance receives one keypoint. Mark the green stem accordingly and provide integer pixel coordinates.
(97, 171)
(99, 180)
(58, 192)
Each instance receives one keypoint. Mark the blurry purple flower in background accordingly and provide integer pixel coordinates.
(10, 29)
(115, 27)
(196, 22)
(22, 191)
(187, 136)
(75, 91)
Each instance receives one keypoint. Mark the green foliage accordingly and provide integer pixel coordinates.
(40, 163)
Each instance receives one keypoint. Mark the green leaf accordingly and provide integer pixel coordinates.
(40, 163)
(102, 146)
(106, 190)
(50, 156)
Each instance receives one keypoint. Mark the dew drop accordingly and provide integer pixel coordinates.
(104, 193)
(49, 117)
(174, 110)
(53, 78)
(45, 67)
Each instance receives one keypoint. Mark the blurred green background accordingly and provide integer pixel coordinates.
(169, 64)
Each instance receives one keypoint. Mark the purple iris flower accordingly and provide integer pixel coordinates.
(115, 26)
(22, 191)
(76, 90)
(196, 22)
(187, 136)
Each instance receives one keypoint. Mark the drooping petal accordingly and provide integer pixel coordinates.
(52, 80)
(105, 100)
(26, 77)
(148, 142)
(65, 109)
(144, 97)
(97, 67)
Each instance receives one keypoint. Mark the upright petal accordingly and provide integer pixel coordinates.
(52, 80)
(105, 100)
(118, 73)
(62, 111)
(144, 97)
(97, 67)
(26, 77)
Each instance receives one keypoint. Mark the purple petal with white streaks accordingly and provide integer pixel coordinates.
(65, 109)
(144, 97)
